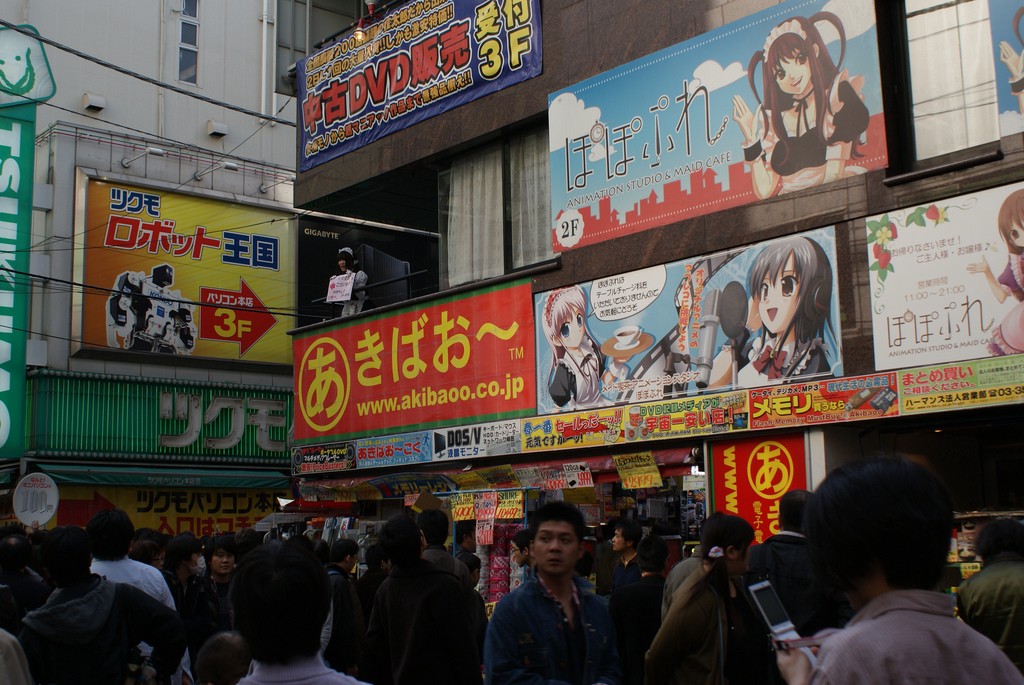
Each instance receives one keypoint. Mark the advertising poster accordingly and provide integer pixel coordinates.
(383, 255)
(417, 60)
(688, 417)
(394, 450)
(718, 121)
(327, 458)
(465, 357)
(964, 385)
(170, 510)
(183, 275)
(750, 475)
(17, 163)
(845, 399)
(1006, 19)
(592, 428)
(947, 279)
(486, 478)
(480, 440)
(760, 315)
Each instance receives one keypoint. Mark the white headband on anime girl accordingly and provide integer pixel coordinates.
(791, 26)
(550, 305)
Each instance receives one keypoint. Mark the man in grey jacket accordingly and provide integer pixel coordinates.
(88, 628)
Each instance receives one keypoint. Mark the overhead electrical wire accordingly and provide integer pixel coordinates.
(141, 77)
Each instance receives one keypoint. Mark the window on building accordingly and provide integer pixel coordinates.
(494, 207)
(301, 25)
(952, 75)
(188, 45)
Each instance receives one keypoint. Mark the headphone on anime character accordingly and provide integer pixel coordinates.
(819, 290)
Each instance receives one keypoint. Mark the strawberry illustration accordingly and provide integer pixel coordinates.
(884, 258)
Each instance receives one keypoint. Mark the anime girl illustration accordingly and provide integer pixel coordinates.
(807, 129)
(578, 375)
(790, 288)
(1008, 337)
(1014, 61)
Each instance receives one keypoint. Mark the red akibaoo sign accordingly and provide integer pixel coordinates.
(467, 357)
(750, 475)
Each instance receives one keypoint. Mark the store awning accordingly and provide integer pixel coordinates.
(167, 478)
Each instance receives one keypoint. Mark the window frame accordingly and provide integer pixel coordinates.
(901, 134)
(183, 47)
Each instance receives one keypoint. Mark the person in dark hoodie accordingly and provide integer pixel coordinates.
(86, 631)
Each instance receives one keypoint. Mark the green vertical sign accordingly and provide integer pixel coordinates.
(17, 153)
(25, 80)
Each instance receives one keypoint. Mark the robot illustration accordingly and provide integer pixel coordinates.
(145, 315)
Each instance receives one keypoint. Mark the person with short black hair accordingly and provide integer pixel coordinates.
(377, 567)
(465, 536)
(348, 627)
(420, 628)
(636, 608)
(992, 600)
(550, 628)
(86, 631)
(784, 560)
(194, 597)
(478, 610)
(521, 550)
(624, 541)
(878, 529)
(220, 566)
(28, 592)
(223, 660)
(280, 597)
(111, 532)
(435, 525)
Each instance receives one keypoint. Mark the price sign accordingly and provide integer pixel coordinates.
(485, 532)
(553, 478)
(485, 503)
(510, 506)
(638, 470)
(577, 475)
(462, 507)
(36, 499)
(638, 481)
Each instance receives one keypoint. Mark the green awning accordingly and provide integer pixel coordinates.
(164, 478)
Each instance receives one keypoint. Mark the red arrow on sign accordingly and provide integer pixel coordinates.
(233, 316)
(77, 512)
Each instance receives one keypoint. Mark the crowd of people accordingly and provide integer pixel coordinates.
(856, 565)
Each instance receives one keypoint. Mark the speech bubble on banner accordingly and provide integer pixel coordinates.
(636, 288)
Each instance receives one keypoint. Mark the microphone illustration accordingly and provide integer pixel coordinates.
(721, 309)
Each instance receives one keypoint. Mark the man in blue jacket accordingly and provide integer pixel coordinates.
(551, 628)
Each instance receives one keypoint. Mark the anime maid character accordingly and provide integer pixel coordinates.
(1014, 61)
(578, 364)
(790, 288)
(807, 129)
(1008, 337)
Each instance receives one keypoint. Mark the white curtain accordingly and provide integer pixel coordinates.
(529, 176)
(472, 232)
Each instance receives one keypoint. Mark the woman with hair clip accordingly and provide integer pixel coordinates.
(807, 129)
(711, 634)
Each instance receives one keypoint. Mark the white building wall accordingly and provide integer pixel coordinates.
(235, 67)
